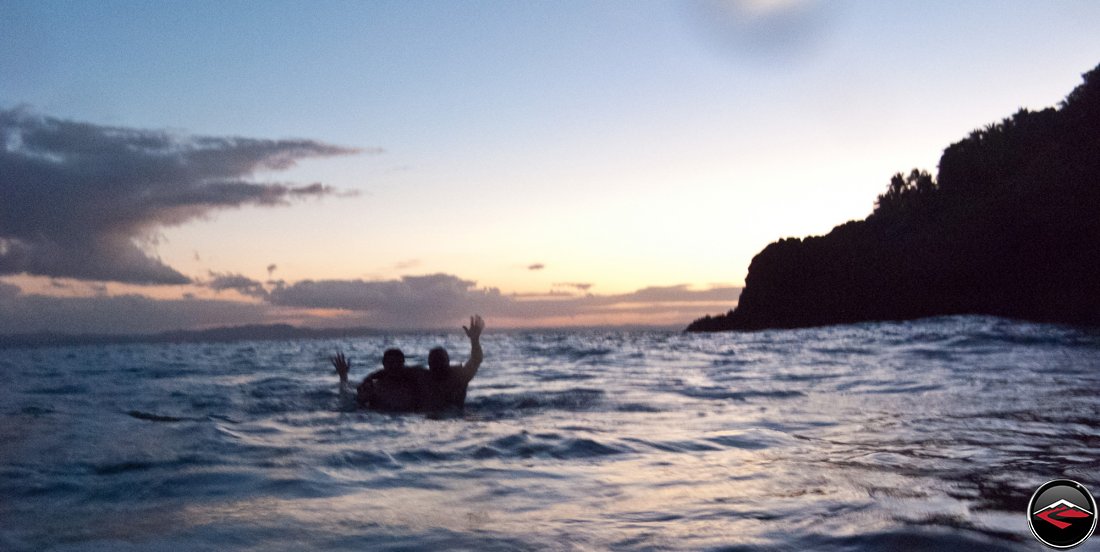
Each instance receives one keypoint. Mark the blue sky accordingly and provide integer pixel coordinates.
(622, 145)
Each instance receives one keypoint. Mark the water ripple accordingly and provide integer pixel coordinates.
(923, 435)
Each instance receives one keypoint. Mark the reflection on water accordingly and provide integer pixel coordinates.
(927, 435)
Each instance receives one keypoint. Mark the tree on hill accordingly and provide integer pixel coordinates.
(1008, 227)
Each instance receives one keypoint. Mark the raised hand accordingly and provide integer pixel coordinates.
(467, 371)
(342, 365)
(476, 325)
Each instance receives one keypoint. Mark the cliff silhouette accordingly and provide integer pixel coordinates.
(1009, 227)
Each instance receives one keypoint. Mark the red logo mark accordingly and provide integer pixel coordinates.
(1062, 510)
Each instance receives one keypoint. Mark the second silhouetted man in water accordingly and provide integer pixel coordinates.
(400, 388)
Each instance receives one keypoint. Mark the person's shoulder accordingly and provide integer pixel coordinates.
(455, 377)
(415, 373)
(457, 369)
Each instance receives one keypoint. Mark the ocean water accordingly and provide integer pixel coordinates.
(926, 435)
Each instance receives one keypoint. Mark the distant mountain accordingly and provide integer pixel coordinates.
(1009, 227)
(213, 335)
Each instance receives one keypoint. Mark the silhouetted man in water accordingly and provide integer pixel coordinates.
(400, 382)
(400, 388)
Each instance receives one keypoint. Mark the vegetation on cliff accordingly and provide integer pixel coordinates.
(1010, 227)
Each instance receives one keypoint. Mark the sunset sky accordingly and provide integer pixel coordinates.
(402, 164)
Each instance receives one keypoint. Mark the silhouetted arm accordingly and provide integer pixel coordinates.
(467, 371)
(342, 365)
(347, 392)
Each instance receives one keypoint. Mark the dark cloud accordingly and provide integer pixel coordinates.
(85, 201)
(8, 291)
(536, 266)
(125, 314)
(238, 282)
(433, 300)
(763, 30)
(412, 301)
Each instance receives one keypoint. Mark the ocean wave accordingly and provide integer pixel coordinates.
(157, 417)
(575, 399)
(881, 436)
(723, 394)
(523, 446)
(71, 389)
(932, 538)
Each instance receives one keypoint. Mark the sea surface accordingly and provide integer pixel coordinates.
(926, 435)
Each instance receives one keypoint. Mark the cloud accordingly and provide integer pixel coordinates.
(85, 201)
(671, 294)
(238, 282)
(407, 264)
(536, 266)
(123, 314)
(579, 286)
(553, 293)
(436, 300)
(764, 30)
(8, 291)
(412, 302)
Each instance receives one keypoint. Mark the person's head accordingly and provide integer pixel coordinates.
(393, 359)
(438, 359)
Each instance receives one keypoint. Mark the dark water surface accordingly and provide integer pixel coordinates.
(927, 435)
